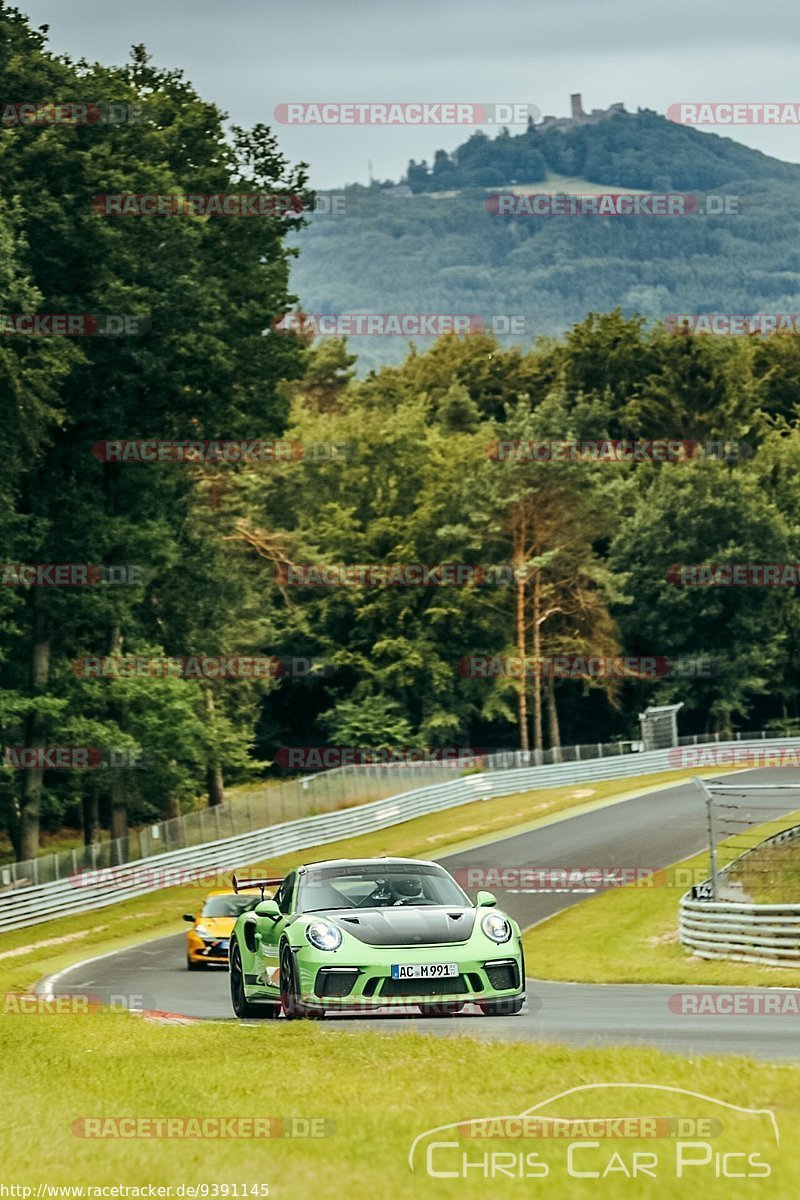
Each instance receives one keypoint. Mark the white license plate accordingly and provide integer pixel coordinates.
(424, 970)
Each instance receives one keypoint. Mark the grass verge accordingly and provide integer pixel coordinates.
(381, 1092)
(771, 874)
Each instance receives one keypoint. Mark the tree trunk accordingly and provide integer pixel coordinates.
(119, 797)
(215, 783)
(119, 819)
(524, 741)
(538, 737)
(90, 810)
(552, 715)
(30, 808)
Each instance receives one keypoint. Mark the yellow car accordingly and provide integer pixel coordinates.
(207, 940)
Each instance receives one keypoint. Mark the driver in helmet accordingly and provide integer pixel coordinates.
(407, 891)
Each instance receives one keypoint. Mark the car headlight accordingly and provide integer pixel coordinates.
(496, 927)
(204, 933)
(323, 935)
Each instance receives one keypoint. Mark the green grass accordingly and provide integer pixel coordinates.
(770, 875)
(630, 935)
(381, 1091)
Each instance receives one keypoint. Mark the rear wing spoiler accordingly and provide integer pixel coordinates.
(241, 885)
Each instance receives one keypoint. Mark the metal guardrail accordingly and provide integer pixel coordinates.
(758, 933)
(324, 791)
(743, 932)
(84, 892)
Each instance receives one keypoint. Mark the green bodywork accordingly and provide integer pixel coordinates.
(364, 970)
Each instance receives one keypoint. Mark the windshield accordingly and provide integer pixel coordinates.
(377, 885)
(228, 906)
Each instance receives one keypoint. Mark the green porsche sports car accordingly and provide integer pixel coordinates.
(357, 935)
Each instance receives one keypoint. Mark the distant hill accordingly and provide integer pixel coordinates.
(442, 251)
(640, 150)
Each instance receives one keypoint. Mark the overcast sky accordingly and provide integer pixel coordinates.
(250, 55)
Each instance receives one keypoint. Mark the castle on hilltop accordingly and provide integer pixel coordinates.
(579, 117)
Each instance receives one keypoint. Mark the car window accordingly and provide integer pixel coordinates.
(283, 896)
(228, 906)
(377, 885)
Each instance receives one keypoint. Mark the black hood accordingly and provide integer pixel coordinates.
(408, 926)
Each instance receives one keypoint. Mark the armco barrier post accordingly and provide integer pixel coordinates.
(712, 840)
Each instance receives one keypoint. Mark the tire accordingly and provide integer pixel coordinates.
(445, 1009)
(503, 1008)
(241, 1005)
(293, 1007)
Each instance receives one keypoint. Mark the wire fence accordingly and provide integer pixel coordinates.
(323, 792)
(754, 857)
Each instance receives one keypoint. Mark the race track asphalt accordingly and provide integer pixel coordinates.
(651, 831)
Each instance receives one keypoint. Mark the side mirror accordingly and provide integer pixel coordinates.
(485, 900)
(268, 908)
(188, 917)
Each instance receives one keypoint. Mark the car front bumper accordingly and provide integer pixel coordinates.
(371, 986)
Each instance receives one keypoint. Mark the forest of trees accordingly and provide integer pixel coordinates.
(590, 543)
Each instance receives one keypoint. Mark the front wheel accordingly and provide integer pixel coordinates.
(503, 1008)
(241, 1005)
(293, 1007)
